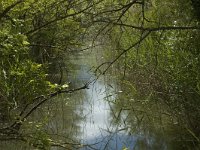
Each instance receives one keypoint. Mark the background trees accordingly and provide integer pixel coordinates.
(154, 43)
(34, 37)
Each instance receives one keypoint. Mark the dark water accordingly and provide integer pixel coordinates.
(104, 117)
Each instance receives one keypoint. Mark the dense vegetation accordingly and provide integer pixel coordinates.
(157, 51)
(34, 36)
(154, 44)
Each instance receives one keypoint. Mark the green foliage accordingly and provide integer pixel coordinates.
(18, 72)
(164, 67)
(40, 139)
(35, 37)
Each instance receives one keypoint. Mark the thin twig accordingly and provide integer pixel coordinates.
(126, 50)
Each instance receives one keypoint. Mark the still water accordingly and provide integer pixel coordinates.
(107, 117)
(103, 117)
(97, 129)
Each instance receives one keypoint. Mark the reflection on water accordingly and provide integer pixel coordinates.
(93, 123)
(104, 117)
(115, 119)
(97, 128)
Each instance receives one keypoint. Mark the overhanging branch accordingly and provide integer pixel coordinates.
(151, 29)
(14, 127)
(126, 50)
(61, 18)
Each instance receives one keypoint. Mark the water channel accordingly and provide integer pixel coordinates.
(93, 118)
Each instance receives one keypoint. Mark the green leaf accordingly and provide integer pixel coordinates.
(65, 86)
(25, 43)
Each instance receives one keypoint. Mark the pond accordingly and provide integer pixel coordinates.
(104, 117)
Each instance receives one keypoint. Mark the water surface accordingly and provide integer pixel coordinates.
(104, 117)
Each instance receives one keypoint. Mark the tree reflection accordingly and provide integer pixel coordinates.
(141, 114)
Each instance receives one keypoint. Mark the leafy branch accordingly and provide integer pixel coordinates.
(9, 8)
(42, 99)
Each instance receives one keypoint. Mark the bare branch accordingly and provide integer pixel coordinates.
(152, 29)
(59, 19)
(127, 7)
(126, 50)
